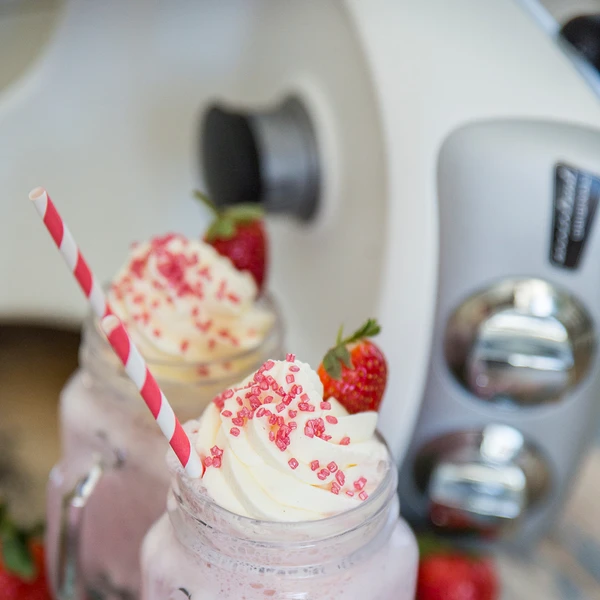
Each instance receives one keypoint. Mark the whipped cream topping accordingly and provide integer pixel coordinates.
(273, 449)
(180, 299)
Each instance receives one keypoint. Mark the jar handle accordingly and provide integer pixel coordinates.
(71, 519)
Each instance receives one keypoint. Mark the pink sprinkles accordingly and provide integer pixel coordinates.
(215, 459)
(323, 474)
(359, 484)
(180, 274)
(253, 403)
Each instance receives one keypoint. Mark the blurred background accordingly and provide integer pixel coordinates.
(39, 336)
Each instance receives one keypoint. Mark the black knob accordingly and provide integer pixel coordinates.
(264, 157)
(583, 33)
(230, 158)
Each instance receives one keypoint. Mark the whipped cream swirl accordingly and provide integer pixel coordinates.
(180, 299)
(273, 449)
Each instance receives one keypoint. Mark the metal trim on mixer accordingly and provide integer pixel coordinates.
(481, 480)
(520, 342)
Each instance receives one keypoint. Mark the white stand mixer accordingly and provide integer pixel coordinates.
(108, 119)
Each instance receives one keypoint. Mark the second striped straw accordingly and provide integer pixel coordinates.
(138, 371)
(135, 366)
(65, 243)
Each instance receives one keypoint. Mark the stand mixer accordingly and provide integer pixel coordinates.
(422, 157)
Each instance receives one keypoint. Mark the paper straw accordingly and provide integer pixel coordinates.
(137, 370)
(70, 251)
(135, 366)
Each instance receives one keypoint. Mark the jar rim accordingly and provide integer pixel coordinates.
(100, 348)
(268, 531)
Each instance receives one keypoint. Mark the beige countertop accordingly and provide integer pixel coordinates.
(35, 363)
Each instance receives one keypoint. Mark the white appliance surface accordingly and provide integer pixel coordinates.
(105, 114)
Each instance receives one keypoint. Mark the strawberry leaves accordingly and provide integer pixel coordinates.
(429, 544)
(339, 355)
(15, 548)
(334, 359)
(225, 221)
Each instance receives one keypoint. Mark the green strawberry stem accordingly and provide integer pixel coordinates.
(226, 220)
(15, 548)
(429, 544)
(339, 355)
(433, 545)
(206, 201)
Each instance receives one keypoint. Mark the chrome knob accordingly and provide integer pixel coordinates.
(481, 481)
(521, 341)
(267, 157)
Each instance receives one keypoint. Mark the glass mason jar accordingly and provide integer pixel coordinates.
(200, 550)
(112, 480)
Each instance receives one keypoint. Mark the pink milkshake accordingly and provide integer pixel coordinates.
(201, 326)
(297, 500)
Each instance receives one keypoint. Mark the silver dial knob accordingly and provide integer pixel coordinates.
(521, 341)
(482, 481)
(268, 157)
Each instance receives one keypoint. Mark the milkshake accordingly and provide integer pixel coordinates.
(297, 500)
(201, 326)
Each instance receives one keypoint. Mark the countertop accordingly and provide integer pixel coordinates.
(35, 363)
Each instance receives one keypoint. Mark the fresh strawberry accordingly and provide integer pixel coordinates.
(446, 574)
(238, 232)
(22, 575)
(354, 371)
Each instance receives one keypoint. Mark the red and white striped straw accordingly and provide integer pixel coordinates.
(135, 366)
(159, 406)
(68, 248)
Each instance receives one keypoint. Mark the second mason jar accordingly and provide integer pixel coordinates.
(111, 482)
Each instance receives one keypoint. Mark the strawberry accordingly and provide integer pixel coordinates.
(445, 574)
(354, 371)
(238, 232)
(22, 575)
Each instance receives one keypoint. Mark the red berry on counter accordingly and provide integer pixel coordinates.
(22, 575)
(455, 576)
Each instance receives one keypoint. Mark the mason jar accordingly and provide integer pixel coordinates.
(200, 550)
(111, 482)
